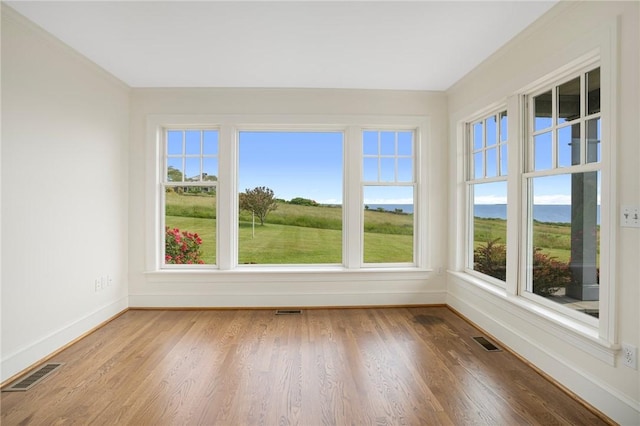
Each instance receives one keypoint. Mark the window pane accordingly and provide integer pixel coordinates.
(492, 134)
(174, 142)
(569, 100)
(593, 140)
(478, 162)
(405, 143)
(405, 170)
(291, 204)
(192, 169)
(192, 142)
(370, 170)
(593, 91)
(490, 229)
(477, 136)
(174, 169)
(504, 160)
(503, 126)
(370, 143)
(492, 164)
(210, 142)
(542, 151)
(388, 224)
(209, 169)
(387, 143)
(542, 111)
(569, 146)
(564, 260)
(190, 220)
(387, 169)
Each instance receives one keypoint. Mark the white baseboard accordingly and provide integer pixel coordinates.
(287, 299)
(26, 357)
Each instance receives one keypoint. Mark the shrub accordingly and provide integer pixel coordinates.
(549, 274)
(491, 259)
(182, 247)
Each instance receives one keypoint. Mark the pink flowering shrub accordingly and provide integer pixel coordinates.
(182, 247)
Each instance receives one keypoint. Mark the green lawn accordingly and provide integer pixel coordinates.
(294, 234)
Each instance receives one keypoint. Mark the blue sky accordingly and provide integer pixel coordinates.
(292, 164)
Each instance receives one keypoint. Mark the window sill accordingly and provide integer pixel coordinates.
(288, 274)
(574, 332)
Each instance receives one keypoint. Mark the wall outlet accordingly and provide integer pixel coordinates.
(630, 216)
(630, 356)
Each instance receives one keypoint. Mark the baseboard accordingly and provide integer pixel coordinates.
(23, 360)
(301, 300)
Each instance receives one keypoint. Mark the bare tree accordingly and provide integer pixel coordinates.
(259, 200)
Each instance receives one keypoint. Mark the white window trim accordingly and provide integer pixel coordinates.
(229, 127)
(493, 110)
(600, 341)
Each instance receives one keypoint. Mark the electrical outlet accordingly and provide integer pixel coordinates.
(630, 216)
(630, 356)
(97, 284)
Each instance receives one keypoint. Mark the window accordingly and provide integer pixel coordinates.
(388, 188)
(290, 197)
(240, 193)
(189, 184)
(563, 191)
(487, 195)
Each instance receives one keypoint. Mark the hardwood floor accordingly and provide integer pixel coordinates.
(414, 366)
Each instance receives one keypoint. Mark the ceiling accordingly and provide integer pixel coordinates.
(419, 45)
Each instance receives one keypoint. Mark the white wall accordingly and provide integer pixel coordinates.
(567, 31)
(234, 288)
(64, 194)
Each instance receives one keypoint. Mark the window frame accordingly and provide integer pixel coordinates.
(529, 174)
(229, 126)
(471, 181)
(413, 183)
(165, 183)
(600, 339)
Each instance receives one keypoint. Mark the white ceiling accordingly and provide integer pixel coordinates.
(361, 45)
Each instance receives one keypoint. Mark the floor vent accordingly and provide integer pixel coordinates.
(288, 312)
(487, 345)
(32, 379)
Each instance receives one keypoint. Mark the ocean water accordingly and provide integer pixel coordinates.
(557, 213)
(406, 208)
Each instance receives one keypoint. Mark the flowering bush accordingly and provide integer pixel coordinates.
(182, 247)
(549, 274)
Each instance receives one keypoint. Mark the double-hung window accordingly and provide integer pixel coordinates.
(388, 190)
(189, 181)
(562, 181)
(487, 196)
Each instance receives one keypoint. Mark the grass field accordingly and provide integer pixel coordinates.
(294, 234)
(304, 234)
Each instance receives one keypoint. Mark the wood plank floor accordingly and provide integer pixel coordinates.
(412, 366)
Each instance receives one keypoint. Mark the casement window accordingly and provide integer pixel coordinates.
(563, 191)
(189, 183)
(235, 194)
(487, 196)
(388, 187)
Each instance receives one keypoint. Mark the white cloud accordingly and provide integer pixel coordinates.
(491, 199)
(553, 199)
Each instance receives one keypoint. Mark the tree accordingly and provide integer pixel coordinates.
(174, 174)
(259, 200)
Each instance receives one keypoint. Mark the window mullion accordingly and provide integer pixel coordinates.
(353, 205)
